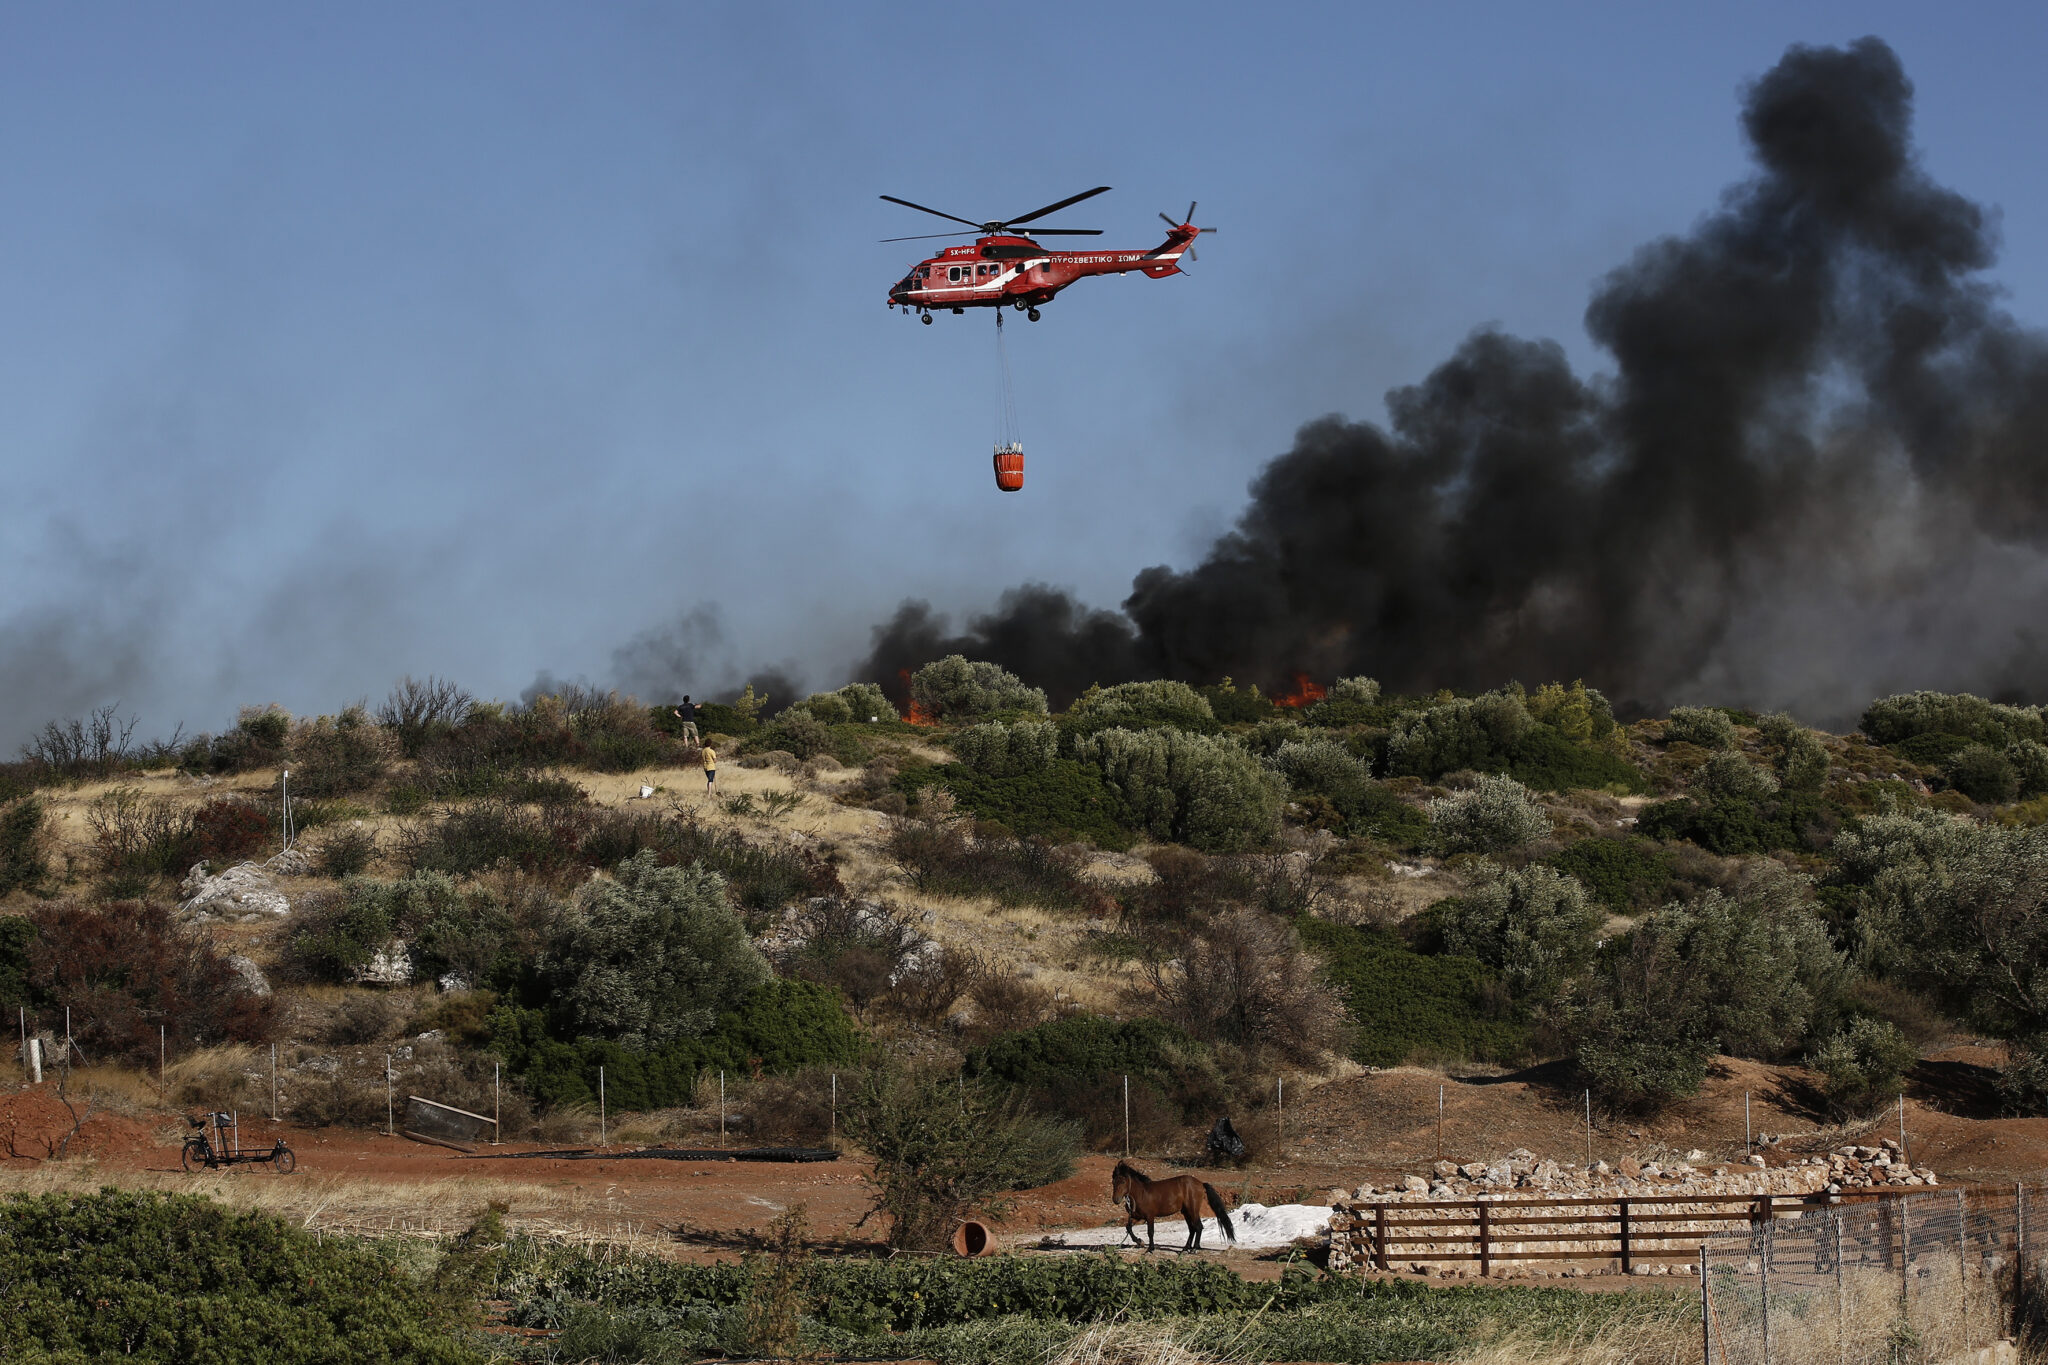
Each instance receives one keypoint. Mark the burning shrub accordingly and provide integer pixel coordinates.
(953, 688)
(1497, 816)
(126, 967)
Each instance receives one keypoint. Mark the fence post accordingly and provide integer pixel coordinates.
(1765, 1286)
(1706, 1313)
(1439, 1122)
(1747, 1142)
(163, 1089)
(1963, 1265)
(390, 1108)
(1899, 1211)
(1628, 1264)
(1842, 1310)
(1485, 1240)
(497, 1108)
(1589, 1129)
(1127, 1115)
(835, 1110)
(273, 1082)
(2019, 1250)
(1379, 1235)
(602, 1133)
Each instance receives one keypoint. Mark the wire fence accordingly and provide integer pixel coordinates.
(1924, 1278)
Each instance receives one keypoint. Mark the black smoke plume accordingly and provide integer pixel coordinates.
(1818, 471)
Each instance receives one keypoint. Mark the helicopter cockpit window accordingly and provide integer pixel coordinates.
(953, 274)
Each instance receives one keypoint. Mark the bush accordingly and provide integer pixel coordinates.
(338, 755)
(226, 830)
(1232, 705)
(942, 1149)
(1861, 1065)
(782, 1026)
(867, 701)
(1192, 789)
(795, 731)
(138, 838)
(1704, 726)
(170, 1278)
(1140, 706)
(1479, 733)
(1076, 1067)
(1065, 801)
(22, 862)
(1350, 701)
(1912, 714)
(2029, 760)
(1007, 750)
(954, 689)
(1640, 1061)
(650, 956)
(1579, 714)
(1535, 927)
(1626, 875)
(1983, 774)
(1802, 760)
(1244, 979)
(1798, 820)
(1547, 761)
(420, 712)
(17, 985)
(1404, 1005)
(346, 853)
(1497, 816)
(944, 859)
(128, 967)
(1731, 777)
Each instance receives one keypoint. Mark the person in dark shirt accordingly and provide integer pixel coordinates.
(687, 714)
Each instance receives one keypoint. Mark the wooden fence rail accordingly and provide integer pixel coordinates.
(1627, 1229)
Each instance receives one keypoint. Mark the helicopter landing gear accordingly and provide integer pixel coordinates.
(926, 319)
(958, 312)
(1033, 315)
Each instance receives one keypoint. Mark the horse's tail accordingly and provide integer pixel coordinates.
(1222, 1214)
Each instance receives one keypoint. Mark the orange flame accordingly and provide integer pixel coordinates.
(1305, 693)
(918, 713)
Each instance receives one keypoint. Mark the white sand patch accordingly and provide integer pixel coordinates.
(1257, 1226)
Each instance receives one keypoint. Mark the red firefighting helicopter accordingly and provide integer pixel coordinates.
(1004, 267)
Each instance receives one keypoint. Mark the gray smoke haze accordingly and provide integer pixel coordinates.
(1817, 474)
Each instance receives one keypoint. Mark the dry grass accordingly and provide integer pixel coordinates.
(369, 1207)
(1634, 1341)
(1945, 1316)
(1130, 1343)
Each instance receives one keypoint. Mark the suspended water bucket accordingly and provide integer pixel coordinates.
(1010, 466)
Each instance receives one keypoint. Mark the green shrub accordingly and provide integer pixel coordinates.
(1706, 726)
(346, 853)
(867, 702)
(716, 718)
(1579, 714)
(17, 938)
(828, 707)
(650, 955)
(782, 1026)
(1406, 1005)
(797, 732)
(1640, 1061)
(942, 1149)
(1912, 714)
(1547, 760)
(1139, 706)
(22, 862)
(995, 750)
(944, 859)
(1349, 701)
(1797, 820)
(1535, 927)
(2029, 760)
(1233, 705)
(1194, 789)
(1626, 875)
(1497, 816)
(1802, 761)
(1479, 733)
(1861, 1065)
(1731, 777)
(1983, 774)
(953, 688)
(176, 1278)
(1931, 750)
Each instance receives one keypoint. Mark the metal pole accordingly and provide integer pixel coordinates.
(2019, 1250)
(1127, 1114)
(1281, 1104)
(273, 1082)
(835, 1107)
(1902, 1127)
(162, 1071)
(1706, 1313)
(721, 1102)
(497, 1102)
(21, 1019)
(1589, 1129)
(390, 1108)
(1898, 1209)
(1439, 1122)
(1747, 1140)
(601, 1131)
(1963, 1265)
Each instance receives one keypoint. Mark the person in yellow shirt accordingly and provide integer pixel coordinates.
(710, 769)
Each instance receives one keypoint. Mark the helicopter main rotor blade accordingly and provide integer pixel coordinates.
(1063, 232)
(1049, 208)
(928, 236)
(934, 212)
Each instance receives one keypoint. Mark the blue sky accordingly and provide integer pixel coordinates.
(337, 344)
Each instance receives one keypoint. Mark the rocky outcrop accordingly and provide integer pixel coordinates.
(243, 892)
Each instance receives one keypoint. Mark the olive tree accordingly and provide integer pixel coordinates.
(957, 688)
(1498, 815)
(1535, 926)
(650, 954)
(1701, 725)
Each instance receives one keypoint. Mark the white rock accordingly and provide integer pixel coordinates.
(251, 974)
(243, 889)
(293, 862)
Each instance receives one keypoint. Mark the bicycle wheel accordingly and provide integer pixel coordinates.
(195, 1154)
(282, 1161)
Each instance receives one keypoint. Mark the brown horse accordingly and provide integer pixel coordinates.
(1140, 1197)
